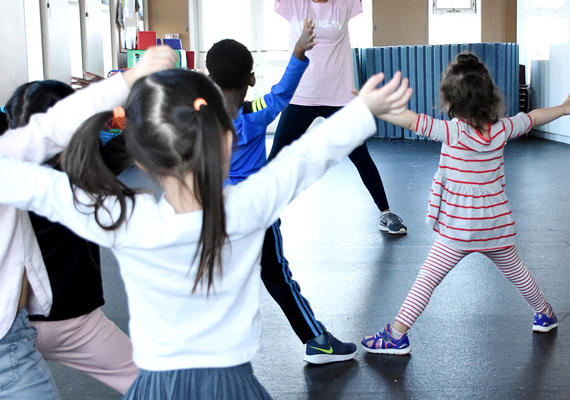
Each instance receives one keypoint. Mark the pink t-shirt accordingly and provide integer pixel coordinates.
(329, 79)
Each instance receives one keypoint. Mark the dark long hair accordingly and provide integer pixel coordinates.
(32, 98)
(168, 137)
(468, 92)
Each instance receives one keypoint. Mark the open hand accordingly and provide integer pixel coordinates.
(392, 98)
(88, 78)
(307, 39)
(155, 59)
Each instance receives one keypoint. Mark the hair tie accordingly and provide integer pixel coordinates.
(3, 109)
(199, 102)
(119, 120)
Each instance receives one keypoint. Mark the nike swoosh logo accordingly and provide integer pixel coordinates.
(327, 351)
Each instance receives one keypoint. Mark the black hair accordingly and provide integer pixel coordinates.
(3, 122)
(468, 92)
(32, 98)
(229, 64)
(167, 136)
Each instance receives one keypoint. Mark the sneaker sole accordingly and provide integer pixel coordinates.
(538, 328)
(400, 232)
(396, 352)
(328, 358)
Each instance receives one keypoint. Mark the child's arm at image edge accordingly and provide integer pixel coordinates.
(47, 192)
(48, 133)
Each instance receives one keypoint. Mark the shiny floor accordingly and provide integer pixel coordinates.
(473, 341)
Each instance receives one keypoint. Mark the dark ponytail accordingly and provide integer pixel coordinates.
(208, 186)
(467, 91)
(3, 122)
(84, 164)
(169, 136)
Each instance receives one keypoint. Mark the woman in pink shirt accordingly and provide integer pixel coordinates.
(327, 85)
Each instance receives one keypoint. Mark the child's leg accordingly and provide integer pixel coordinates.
(279, 282)
(393, 339)
(512, 267)
(321, 346)
(441, 259)
(91, 344)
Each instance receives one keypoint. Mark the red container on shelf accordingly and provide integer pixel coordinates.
(145, 39)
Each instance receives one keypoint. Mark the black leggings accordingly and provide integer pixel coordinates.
(294, 122)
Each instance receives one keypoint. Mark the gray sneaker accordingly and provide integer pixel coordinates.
(391, 223)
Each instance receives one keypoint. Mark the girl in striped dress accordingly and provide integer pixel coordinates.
(468, 206)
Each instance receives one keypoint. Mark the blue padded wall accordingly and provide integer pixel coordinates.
(423, 65)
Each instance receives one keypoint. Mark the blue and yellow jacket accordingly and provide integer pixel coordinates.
(248, 153)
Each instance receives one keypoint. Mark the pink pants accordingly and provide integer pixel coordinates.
(91, 344)
(441, 259)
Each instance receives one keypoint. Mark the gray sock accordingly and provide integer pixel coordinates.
(396, 334)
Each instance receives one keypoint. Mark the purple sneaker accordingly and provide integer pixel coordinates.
(544, 323)
(383, 342)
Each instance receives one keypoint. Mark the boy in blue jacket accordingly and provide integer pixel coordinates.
(230, 66)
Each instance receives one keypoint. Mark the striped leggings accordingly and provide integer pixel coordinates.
(441, 259)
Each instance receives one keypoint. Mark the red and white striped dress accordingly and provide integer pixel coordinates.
(468, 206)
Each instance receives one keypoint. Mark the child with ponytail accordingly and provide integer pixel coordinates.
(189, 261)
(468, 206)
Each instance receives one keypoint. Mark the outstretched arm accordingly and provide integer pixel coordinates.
(542, 116)
(48, 133)
(408, 119)
(264, 194)
(266, 108)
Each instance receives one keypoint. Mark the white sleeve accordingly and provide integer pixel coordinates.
(47, 192)
(518, 125)
(48, 133)
(264, 194)
(437, 129)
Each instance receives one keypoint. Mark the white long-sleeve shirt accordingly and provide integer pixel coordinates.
(46, 135)
(170, 327)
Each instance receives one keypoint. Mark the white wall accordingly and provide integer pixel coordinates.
(55, 39)
(13, 49)
(92, 25)
(454, 28)
(543, 35)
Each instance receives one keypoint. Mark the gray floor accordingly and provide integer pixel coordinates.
(473, 341)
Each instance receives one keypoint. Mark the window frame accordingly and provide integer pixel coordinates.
(460, 10)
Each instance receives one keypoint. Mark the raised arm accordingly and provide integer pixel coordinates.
(48, 133)
(542, 116)
(300, 164)
(267, 108)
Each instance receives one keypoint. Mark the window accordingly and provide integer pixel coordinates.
(454, 6)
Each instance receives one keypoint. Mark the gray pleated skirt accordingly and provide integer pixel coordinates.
(232, 383)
